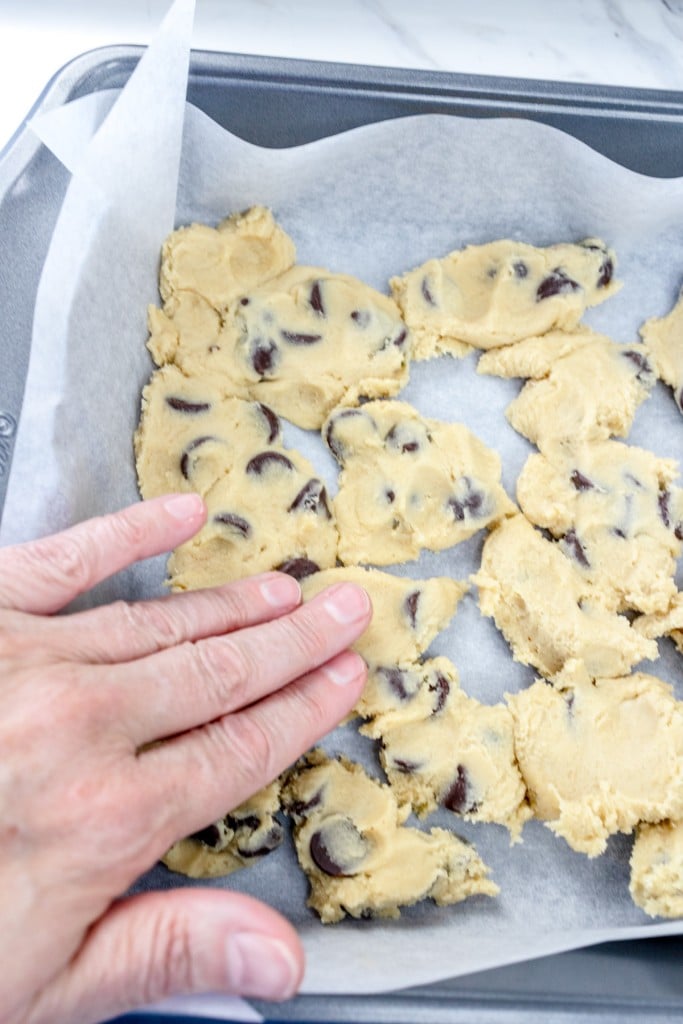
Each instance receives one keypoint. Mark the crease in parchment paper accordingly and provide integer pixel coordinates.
(372, 202)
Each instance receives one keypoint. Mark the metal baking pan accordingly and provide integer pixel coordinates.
(277, 102)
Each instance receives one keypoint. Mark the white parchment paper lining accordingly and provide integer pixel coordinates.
(372, 202)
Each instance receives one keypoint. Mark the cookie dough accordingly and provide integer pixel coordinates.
(360, 858)
(599, 759)
(407, 615)
(409, 483)
(585, 386)
(439, 747)
(546, 610)
(664, 338)
(266, 507)
(657, 869)
(238, 840)
(496, 294)
(618, 515)
(668, 623)
(299, 338)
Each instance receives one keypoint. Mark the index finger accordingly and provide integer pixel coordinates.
(43, 576)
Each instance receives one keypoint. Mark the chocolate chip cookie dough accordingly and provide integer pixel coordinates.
(299, 338)
(657, 869)
(546, 609)
(359, 856)
(497, 294)
(664, 338)
(266, 507)
(409, 483)
(598, 759)
(617, 514)
(439, 747)
(236, 841)
(584, 386)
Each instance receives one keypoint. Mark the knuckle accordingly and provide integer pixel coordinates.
(168, 962)
(254, 751)
(60, 559)
(126, 529)
(154, 620)
(305, 635)
(227, 668)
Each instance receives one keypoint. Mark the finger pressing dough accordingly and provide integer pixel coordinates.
(546, 611)
(300, 338)
(406, 616)
(664, 339)
(657, 869)
(498, 293)
(667, 623)
(439, 747)
(586, 387)
(409, 483)
(617, 514)
(598, 759)
(360, 858)
(236, 841)
(266, 507)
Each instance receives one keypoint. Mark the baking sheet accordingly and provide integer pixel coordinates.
(373, 202)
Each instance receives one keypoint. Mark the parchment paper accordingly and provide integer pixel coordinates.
(373, 202)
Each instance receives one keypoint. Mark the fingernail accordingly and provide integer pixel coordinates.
(280, 590)
(345, 668)
(184, 506)
(261, 966)
(347, 604)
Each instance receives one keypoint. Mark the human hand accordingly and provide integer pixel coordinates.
(238, 680)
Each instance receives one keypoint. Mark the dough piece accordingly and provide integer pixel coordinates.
(439, 747)
(664, 339)
(496, 294)
(657, 869)
(300, 338)
(546, 611)
(359, 857)
(190, 435)
(617, 514)
(407, 615)
(236, 841)
(266, 507)
(585, 388)
(668, 623)
(598, 759)
(222, 263)
(409, 483)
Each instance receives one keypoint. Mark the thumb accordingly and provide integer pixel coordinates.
(160, 944)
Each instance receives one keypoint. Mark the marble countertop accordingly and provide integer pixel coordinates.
(616, 42)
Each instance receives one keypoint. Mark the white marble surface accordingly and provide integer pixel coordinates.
(617, 42)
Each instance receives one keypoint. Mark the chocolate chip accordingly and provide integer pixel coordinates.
(266, 460)
(399, 340)
(441, 687)
(185, 467)
(520, 268)
(316, 299)
(299, 568)
(575, 548)
(663, 504)
(233, 522)
(312, 498)
(182, 405)
(403, 438)
(248, 821)
(244, 301)
(361, 317)
(581, 482)
(333, 443)
(469, 503)
(569, 699)
(616, 532)
(606, 272)
(210, 836)
(390, 495)
(402, 683)
(405, 767)
(297, 338)
(426, 293)
(300, 808)
(338, 848)
(645, 373)
(410, 606)
(264, 356)
(272, 421)
(558, 282)
(459, 797)
(259, 845)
